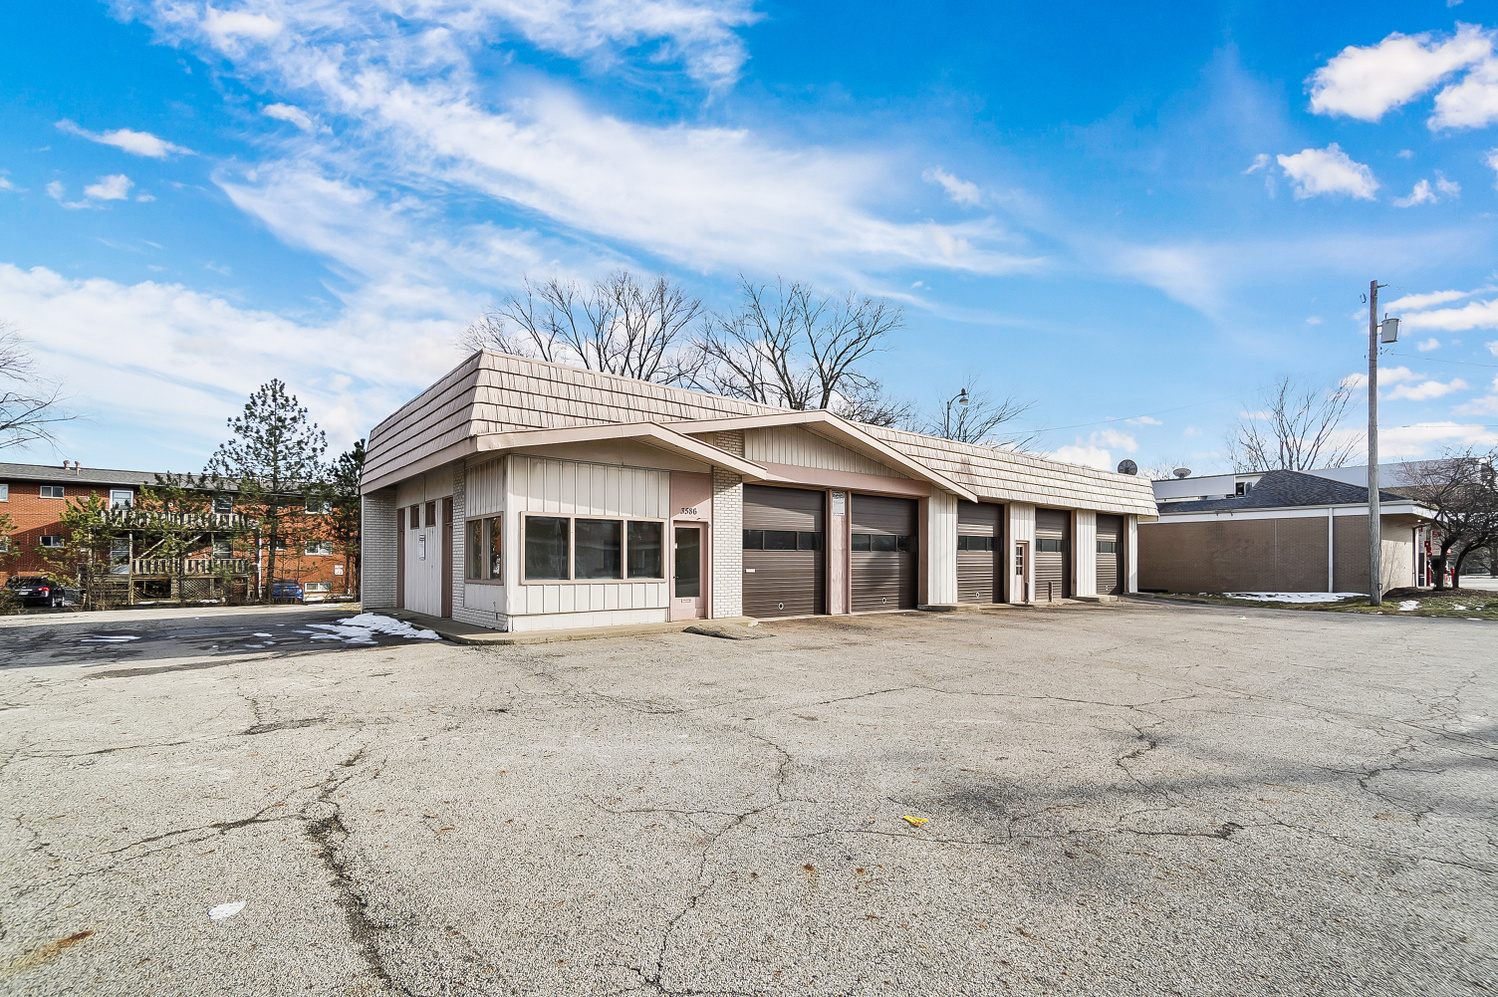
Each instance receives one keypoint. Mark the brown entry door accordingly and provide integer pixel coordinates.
(1110, 555)
(688, 584)
(1052, 554)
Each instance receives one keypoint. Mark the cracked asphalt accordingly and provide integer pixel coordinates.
(1133, 799)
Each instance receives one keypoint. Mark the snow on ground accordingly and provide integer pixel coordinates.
(1294, 596)
(107, 638)
(362, 628)
(1408, 605)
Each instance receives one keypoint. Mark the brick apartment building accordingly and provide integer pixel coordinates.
(35, 496)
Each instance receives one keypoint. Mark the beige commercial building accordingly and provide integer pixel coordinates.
(523, 495)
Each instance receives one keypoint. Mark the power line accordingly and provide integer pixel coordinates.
(1461, 363)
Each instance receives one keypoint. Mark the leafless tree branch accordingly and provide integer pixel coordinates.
(1295, 430)
(29, 406)
(1460, 488)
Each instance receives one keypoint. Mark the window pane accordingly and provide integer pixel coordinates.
(473, 557)
(754, 539)
(688, 562)
(860, 541)
(546, 547)
(415, 518)
(780, 540)
(494, 529)
(963, 542)
(599, 543)
(645, 550)
(431, 513)
(902, 544)
(808, 541)
(1107, 546)
(881, 542)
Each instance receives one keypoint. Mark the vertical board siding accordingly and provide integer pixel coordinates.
(1084, 577)
(1131, 565)
(802, 448)
(940, 550)
(1021, 530)
(485, 491)
(546, 486)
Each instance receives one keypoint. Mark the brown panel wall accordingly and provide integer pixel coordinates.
(784, 509)
(1398, 555)
(1256, 555)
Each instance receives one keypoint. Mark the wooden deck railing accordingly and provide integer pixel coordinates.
(191, 566)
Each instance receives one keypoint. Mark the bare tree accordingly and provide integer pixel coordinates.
(977, 417)
(873, 406)
(1461, 490)
(617, 325)
(787, 345)
(1295, 431)
(29, 405)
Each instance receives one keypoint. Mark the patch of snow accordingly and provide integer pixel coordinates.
(362, 628)
(262, 635)
(226, 910)
(107, 638)
(1408, 605)
(1462, 608)
(1299, 597)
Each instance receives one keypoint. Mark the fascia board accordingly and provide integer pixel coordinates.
(837, 427)
(1290, 512)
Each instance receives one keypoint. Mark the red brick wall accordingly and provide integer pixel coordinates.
(34, 516)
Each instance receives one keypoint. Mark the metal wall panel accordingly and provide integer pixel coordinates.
(794, 445)
(978, 571)
(883, 579)
(1051, 574)
(785, 582)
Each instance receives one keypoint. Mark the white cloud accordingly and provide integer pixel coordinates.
(1367, 82)
(1144, 420)
(5, 184)
(1094, 452)
(1450, 188)
(115, 187)
(1416, 302)
(1426, 390)
(1422, 194)
(963, 192)
(133, 142)
(1474, 315)
(287, 112)
(1486, 405)
(225, 26)
(1429, 344)
(56, 190)
(1425, 438)
(1328, 171)
(1386, 377)
(1261, 162)
(1314, 320)
(190, 355)
(1472, 103)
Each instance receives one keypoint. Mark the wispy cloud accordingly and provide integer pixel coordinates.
(115, 187)
(963, 192)
(1424, 391)
(291, 114)
(134, 142)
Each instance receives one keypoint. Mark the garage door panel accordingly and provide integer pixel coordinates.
(1110, 557)
(979, 544)
(785, 559)
(882, 555)
(1052, 554)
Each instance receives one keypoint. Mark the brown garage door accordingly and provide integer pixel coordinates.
(882, 553)
(785, 552)
(1052, 554)
(1110, 555)
(980, 541)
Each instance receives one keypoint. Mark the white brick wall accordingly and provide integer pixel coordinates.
(377, 540)
(728, 543)
(461, 612)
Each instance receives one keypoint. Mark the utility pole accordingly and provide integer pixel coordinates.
(1375, 527)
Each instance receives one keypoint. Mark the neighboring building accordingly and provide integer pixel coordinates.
(36, 495)
(1283, 531)
(523, 495)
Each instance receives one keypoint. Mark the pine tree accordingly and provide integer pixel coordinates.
(274, 460)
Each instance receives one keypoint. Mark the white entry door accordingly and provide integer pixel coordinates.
(424, 563)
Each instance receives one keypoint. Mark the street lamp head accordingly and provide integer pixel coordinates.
(962, 397)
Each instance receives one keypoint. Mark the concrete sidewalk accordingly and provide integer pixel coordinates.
(464, 633)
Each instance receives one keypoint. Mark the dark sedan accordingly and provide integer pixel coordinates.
(36, 591)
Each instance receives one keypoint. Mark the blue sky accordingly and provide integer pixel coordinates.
(1139, 220)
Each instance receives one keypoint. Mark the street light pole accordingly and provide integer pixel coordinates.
(1375, 527)
(946, 422)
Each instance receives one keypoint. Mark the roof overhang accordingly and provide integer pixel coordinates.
(1412, 509)
(647, 433)
(840, 431)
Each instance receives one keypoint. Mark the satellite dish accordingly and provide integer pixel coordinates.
(1182, 472)
(1127, 466)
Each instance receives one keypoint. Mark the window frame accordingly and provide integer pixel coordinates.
(1059, 541)
(46, 492)
(572, 579)
(484, 550)
(42, 541)
(317, 548)
(4, 491)
(223, 504)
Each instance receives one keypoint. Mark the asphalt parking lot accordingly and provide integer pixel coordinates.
(1140, 799)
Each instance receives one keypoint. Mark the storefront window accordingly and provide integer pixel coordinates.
(599, 548)
(546, 548)
(645, 550)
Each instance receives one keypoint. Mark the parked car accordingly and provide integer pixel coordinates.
(34, 591)
(286, 590)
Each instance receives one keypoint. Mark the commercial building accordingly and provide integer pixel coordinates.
(1276, 531)
(522, 495)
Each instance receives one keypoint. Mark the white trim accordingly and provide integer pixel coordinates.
(1331, 550)
(1299, 512)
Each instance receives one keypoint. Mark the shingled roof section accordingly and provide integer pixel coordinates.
(52, 474)
(1286, 490)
